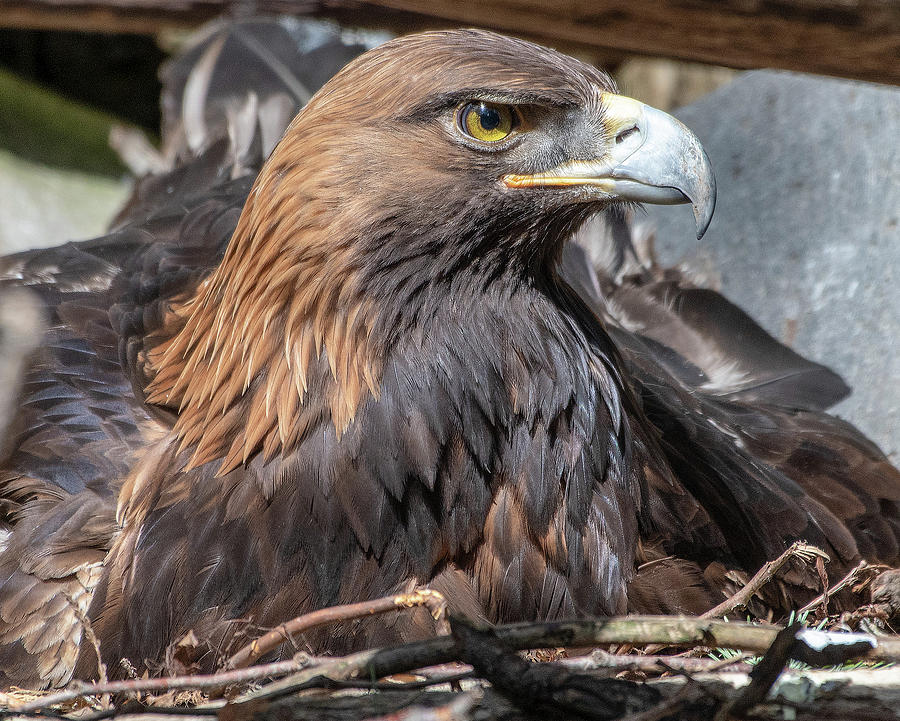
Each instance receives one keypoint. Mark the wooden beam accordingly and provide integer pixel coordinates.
(849, 38)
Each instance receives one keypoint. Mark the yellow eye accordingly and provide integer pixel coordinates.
(487, 121)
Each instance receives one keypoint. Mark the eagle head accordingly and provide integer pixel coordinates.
(472, 140)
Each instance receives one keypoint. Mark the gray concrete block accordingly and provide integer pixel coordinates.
(806, 235)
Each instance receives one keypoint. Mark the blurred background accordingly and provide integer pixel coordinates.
(806, 145)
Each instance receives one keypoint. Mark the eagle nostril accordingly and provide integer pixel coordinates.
(625, 134)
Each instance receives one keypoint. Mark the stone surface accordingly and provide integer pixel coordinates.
(806, 235)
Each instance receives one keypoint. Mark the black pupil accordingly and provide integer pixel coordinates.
(488, 117)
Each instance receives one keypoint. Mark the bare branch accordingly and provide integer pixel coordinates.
(600, 659)
(848, 580)
(798, 549)
(432, 600)
(764, 675)
(79, 689)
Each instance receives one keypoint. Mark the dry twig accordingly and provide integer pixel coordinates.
(432, 600)
(846, 581)
(798, 549)
(764, 675)
(77, 689)
(600, 659)
(742, 597)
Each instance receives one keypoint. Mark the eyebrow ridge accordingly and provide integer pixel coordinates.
(436, 104)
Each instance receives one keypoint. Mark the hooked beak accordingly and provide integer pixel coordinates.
(652, 158)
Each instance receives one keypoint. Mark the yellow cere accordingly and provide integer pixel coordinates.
(488, 122)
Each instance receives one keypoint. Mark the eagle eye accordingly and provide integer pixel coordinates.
(487, 122)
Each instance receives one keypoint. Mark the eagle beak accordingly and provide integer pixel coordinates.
(650, 157)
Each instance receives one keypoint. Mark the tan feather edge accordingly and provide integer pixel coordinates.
(285, 296)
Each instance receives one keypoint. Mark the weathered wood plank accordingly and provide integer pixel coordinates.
(850, 38)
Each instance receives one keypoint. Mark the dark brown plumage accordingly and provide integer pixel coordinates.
(372, 376)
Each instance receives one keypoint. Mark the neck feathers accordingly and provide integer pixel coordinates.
(277, 339)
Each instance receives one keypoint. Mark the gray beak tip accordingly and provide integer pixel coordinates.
(704, 201)
(703, 215)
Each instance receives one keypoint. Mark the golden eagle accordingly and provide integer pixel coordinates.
(362, 370)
